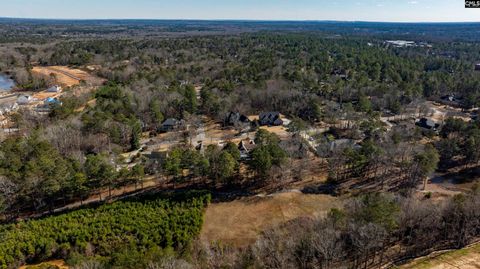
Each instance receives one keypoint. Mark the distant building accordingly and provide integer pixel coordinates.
(245, 147)
(400, 43)
(427, 124)
(477, 67)
(235, 119)
(341, 143)
(8, 108)
(270, 119)
(155, 159)
(52, 101)
(424, 44)
(449, 98)
(55, 89)
(169, 125)
(200, 146)
(24, 99)
(159, 155)
(340, 73)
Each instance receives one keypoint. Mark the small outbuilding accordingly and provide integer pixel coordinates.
(200, 146)
(52, 101)
(340, 73)
(449, 98)
(427, 124)
(235, 119)
(341, 143)
(55, 89)
(24, 99)
(169, 125)
(477, 67)
(158, 155)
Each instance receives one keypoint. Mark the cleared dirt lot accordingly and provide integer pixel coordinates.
(467, 258)
(66, 76)
(58, 263)
(43, 95)
(239, 222)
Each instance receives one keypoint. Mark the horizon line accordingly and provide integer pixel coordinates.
(231, 20)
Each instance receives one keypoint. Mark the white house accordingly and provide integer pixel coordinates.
(55, 88)
(24, 99)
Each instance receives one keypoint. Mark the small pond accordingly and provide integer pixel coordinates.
(6, 83)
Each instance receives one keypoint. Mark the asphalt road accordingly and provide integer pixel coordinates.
(10, 99)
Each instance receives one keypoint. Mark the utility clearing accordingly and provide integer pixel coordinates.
(238, 223)
(66, 76)
(60, 264)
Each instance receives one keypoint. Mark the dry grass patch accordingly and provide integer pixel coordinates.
(60, 264)
(240, 222)
(44, 94)
(66, 76)
(467, 258)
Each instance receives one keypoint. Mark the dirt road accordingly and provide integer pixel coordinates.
(467, 258)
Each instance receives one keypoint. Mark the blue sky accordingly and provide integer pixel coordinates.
(365, 10)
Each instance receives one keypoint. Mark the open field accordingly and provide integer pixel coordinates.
(44, 94)
(467, 258)
(239, 222)
(441, 112)
(66, 76)
(281, 131)
(455, 181)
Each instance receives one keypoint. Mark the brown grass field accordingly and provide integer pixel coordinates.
(58, 263)
(44, 94)
(239, 223)
(467, 258)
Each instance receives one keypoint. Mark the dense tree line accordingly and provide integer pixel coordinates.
(294, 73)
(383, 161)
(460, 143)
(304, 75)
(115, 232)
(221, 165)
(370, 231)
(35, 176)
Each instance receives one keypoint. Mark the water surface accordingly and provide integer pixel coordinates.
(6, 83)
